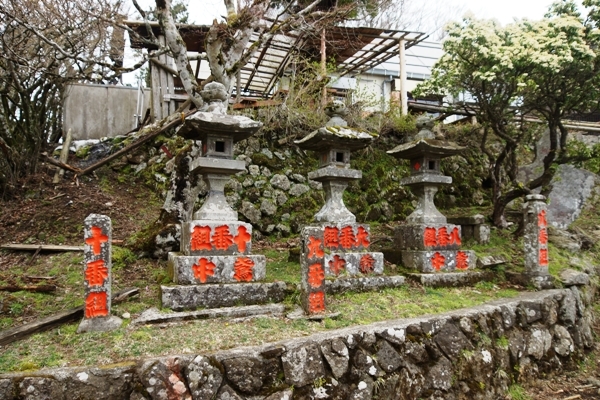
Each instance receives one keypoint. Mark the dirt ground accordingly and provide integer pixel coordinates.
(41, 212)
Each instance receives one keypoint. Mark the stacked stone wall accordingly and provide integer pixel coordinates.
(473, 353)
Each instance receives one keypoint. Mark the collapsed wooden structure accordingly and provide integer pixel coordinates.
(352, 49)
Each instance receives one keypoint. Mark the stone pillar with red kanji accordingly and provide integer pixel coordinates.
(334, 246)
(535, 241)
(97, 276)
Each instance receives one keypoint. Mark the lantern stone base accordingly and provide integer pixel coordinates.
(452, 279)
(100, 324)
(191, 297)
(439, 260)
(197, 270)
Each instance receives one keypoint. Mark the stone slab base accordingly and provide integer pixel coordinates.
(211, 238)
(100, 324)
(364, 284)
(353, 264)
(154, 316)
(452, 279)
(196, 270)
(435, 261)
(179, 298)
(540, 282)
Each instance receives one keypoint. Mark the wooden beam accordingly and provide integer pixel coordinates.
(22, 331)
(41, 247)
(403, 88)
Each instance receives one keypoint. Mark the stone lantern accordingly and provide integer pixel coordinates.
(335, 246)
(215, 246)
(427, 241)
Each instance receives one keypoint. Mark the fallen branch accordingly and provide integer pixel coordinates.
(21, 332)
(168, 124)
(40, 247)
(36, 289)
(57, 163)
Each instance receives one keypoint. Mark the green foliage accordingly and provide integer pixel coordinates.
(516, 392)
(122, 257)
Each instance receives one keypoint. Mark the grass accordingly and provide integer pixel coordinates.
(516, 392)
(64, 347)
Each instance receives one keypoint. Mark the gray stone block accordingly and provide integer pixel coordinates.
(352, 264)
(570, 277)
(154, 316)
(428, 237)
(434, 261)
(452, 279)
(476, 219)
(212, 238)
(180, 298)
(490, 261)
(363, 284)
(328, 173)
(205, 165)
(482, 233)
(195, 270)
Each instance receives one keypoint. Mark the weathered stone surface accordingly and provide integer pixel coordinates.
(439, 376)
(280, 182)
(164, 378)
(539, 342)
(337, 356)
(204, 379)
(535, 238)
(571, 187)
(482, 233)
(363, 284)
(298, 189)
(283, 395)
(267, 207)
(249, 211)
(452, 341)
(387, 357)
(302, 365)
(35, 388)
(244, 373)
(452, 279)
(180, 298)
(563, 343)
(196, 270)
(439, 260)
(212, 238)
(227, 393)
(490, 261)
(154, 316)
(98, 276)
(570, 277)
(7, 389)
(428, 236)
(353, 264)
(567, 313)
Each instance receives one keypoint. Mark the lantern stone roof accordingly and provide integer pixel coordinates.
(201, 123)
(335, 137)
(429, 147)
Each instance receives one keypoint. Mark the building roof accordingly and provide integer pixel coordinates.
(353, 49)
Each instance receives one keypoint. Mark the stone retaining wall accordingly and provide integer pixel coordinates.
(473, 353)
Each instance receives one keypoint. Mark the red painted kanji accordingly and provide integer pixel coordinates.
(316, 302)
(543, 236)
(417, 166)
(347, 238)
(462, 260)
(314, 248)
(438, 261)
(542, 223)
(454, 237)
(203, 269)
(97, 239)
(544, 257)
(443, 239)
(200, 239)
(362, 237)
(366, 264)
(95, 305)
(222, 239)
(337, 264)
(243, 269)
(429, 237)
(242, 239)
(96, 273)
(316, 275)
(331, 237)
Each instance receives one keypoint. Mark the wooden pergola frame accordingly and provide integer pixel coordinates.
(352, 49)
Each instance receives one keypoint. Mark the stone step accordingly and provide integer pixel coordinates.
(191, 297)
(453, 279)
(154, 316)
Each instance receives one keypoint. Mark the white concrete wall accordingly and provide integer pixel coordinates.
(95, 111)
